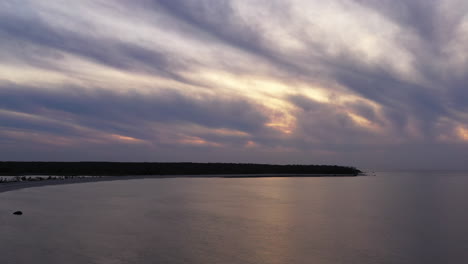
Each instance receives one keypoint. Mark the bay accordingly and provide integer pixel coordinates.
(393, 217)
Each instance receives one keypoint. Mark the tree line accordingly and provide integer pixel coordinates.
(164, 168)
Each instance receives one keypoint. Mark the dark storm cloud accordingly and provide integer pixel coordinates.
(112, 112)
(23, 123)
(459, 93)
(326, 124)
(218, 19)
(32, 30)
(213, 20)
(416, 14)
(401, 100)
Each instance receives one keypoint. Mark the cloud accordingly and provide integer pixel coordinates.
(107, 111)
(269, 81)
(56, 41)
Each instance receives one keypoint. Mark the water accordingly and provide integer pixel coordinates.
(390, 218)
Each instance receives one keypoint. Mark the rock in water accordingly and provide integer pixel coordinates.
(18, 213)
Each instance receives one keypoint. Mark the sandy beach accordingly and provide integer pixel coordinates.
(11, 186)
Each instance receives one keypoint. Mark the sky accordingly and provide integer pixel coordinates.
(378, 84)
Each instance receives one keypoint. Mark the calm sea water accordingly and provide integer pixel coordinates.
(389, 218)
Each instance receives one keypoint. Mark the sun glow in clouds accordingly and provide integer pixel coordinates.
(291, 76)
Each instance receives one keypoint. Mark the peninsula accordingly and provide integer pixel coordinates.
(171, 169)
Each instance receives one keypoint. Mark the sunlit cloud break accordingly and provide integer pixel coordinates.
(370, 83)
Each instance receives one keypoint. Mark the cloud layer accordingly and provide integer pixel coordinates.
(376, 84)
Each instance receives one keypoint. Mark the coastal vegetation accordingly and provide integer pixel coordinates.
(38, 178)
(167, 168)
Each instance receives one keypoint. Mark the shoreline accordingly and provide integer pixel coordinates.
(12, 186)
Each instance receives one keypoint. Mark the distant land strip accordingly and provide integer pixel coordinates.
(13, 168)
